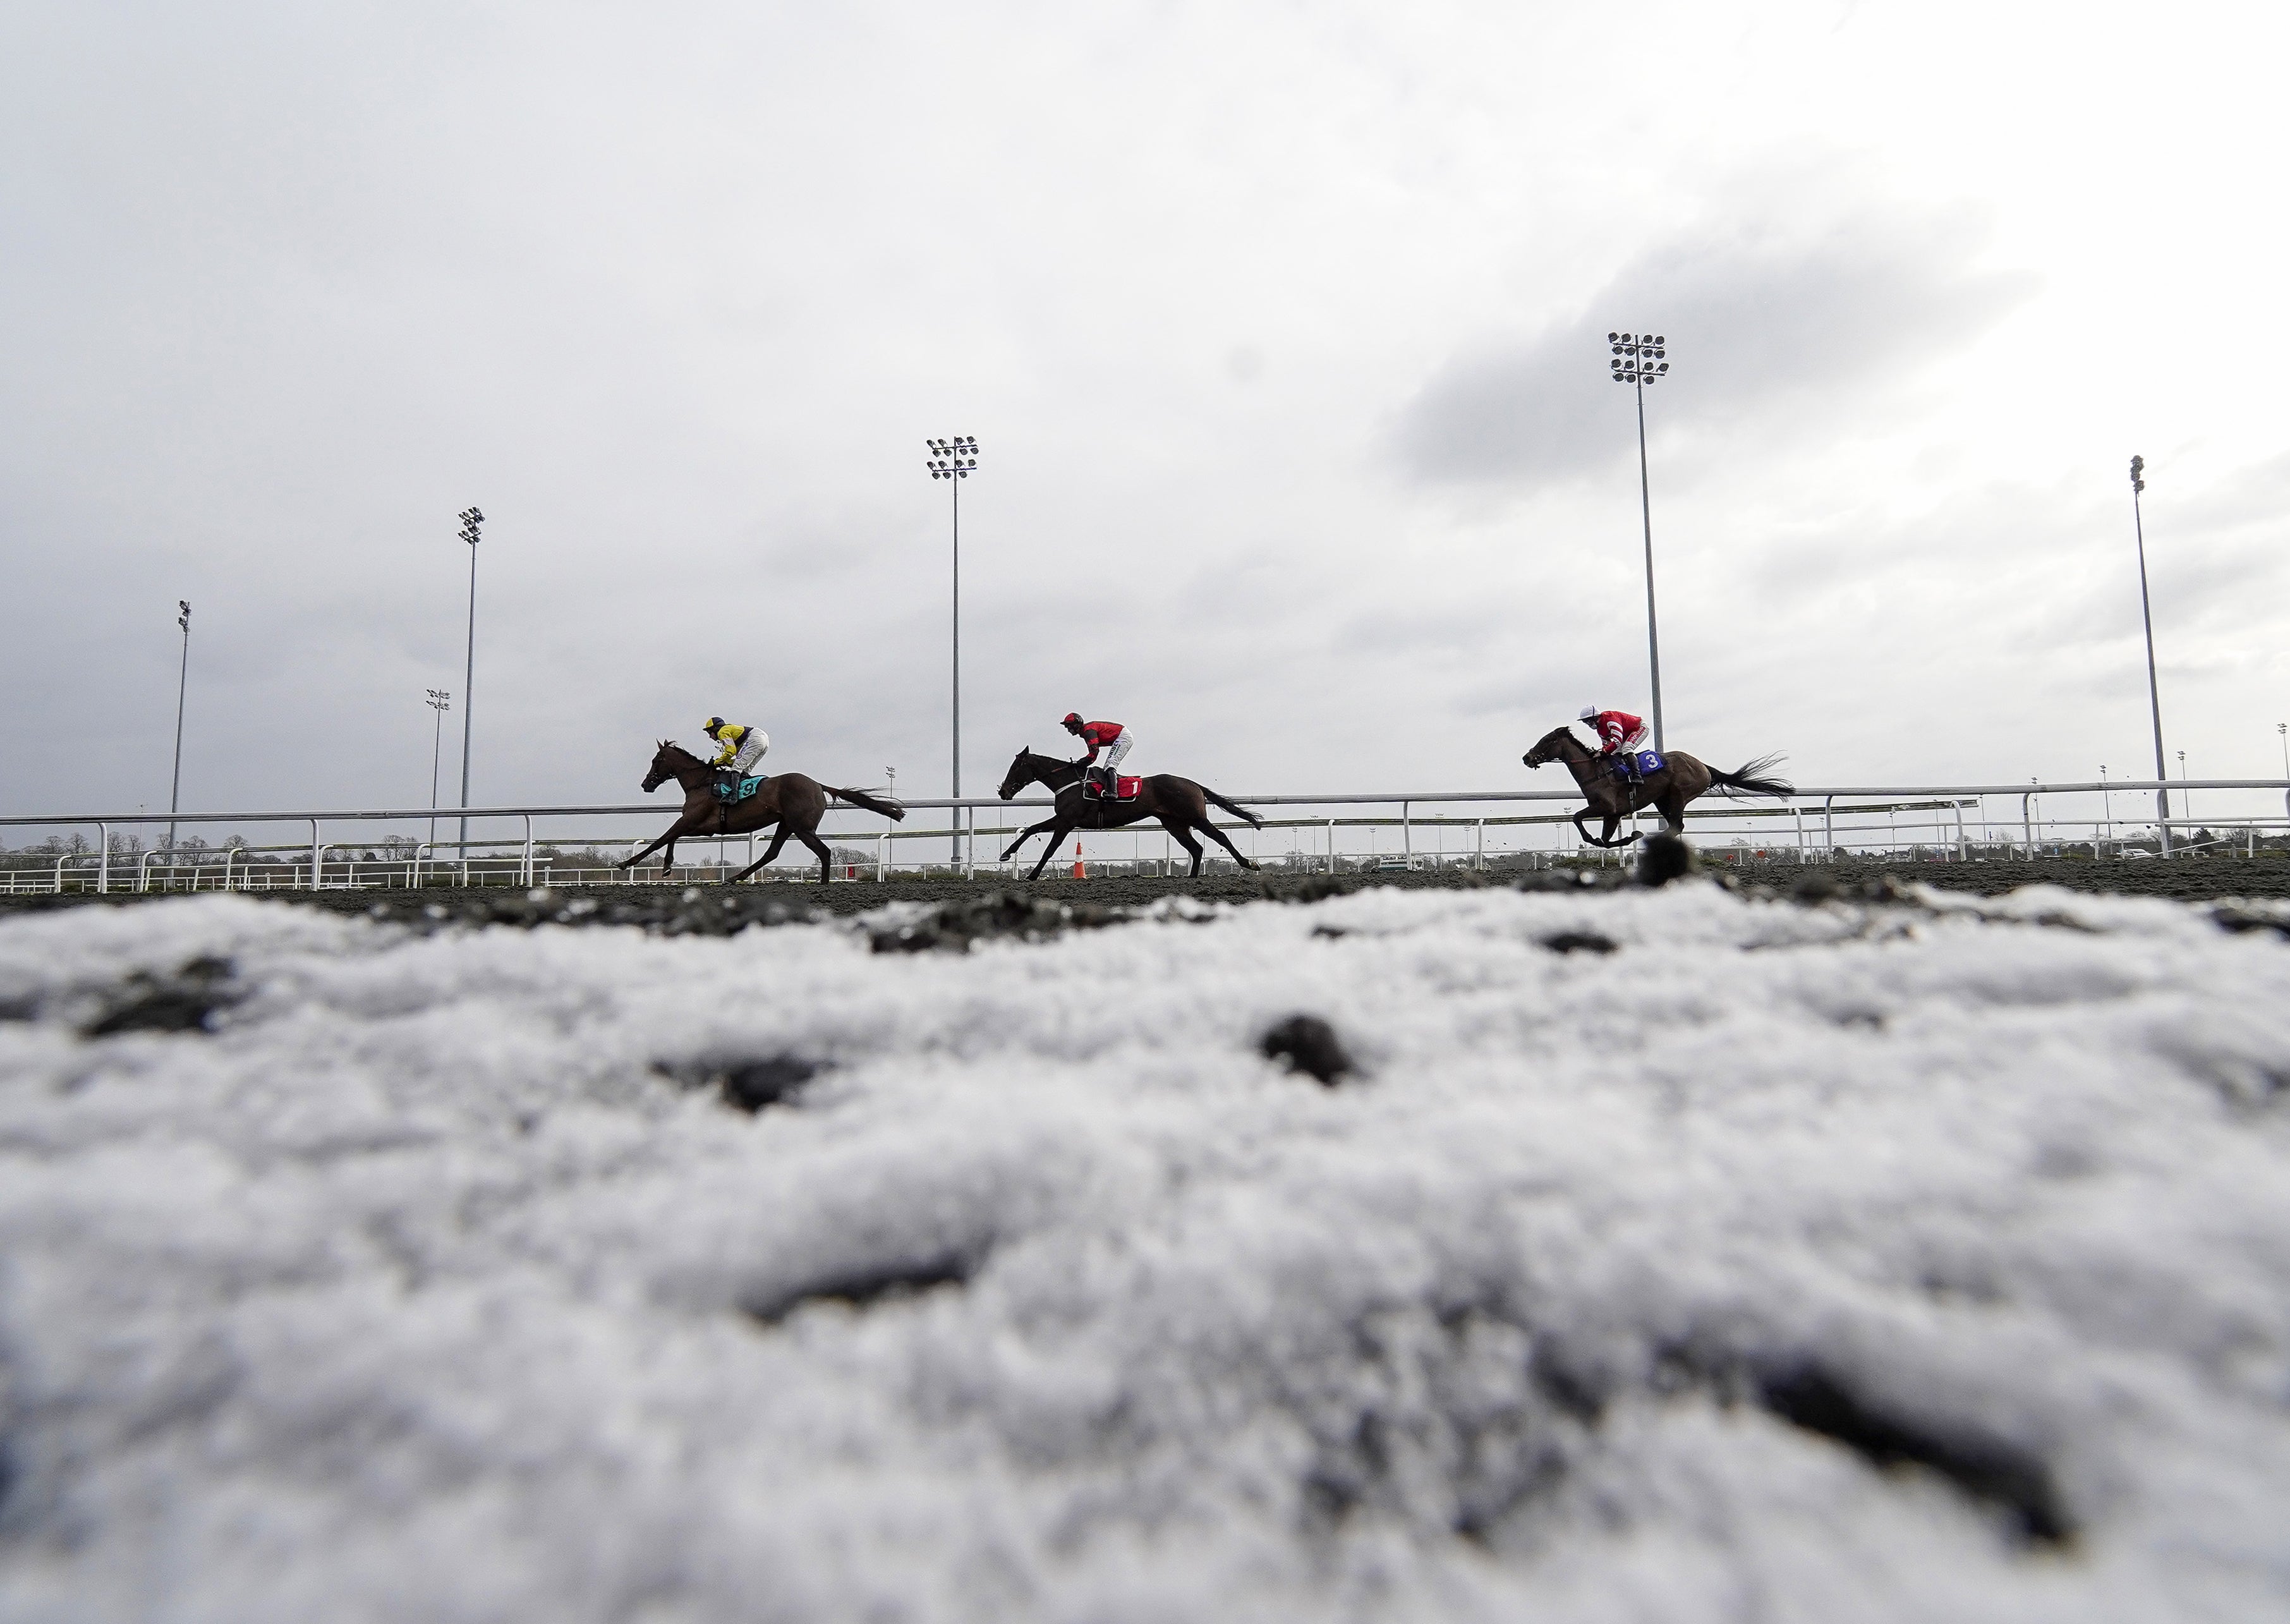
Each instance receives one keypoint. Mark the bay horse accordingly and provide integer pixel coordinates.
(794, 803)
(1178, 803)
(1682, 779)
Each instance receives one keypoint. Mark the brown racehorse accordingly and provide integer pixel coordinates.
(1179, 805)
(794, 803)
(1682, 780)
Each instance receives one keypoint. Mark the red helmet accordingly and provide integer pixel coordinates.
(1073, 718)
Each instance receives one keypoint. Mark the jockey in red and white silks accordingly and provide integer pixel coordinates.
(1616, 729)
(1109, 737)
(1619, 733)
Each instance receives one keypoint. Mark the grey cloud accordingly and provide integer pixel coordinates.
(1755, 317)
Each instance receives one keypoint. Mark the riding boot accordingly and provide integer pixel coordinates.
(728, 783)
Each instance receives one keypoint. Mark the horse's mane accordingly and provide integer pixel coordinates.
(666, 745)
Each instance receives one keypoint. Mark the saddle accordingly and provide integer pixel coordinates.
(1125, 789)
(1649, 761)
(732, 795)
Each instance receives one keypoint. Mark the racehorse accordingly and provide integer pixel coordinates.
(1681, 779)
(1180, 804)
(794, 803)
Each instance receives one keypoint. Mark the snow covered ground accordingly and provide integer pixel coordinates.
(1822, 1263)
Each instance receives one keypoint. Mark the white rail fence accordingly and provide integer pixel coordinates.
(1426, 831)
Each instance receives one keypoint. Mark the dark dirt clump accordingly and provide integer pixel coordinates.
(747, 1084)
(952, 926)
(182, 1001)
(1309, 1045)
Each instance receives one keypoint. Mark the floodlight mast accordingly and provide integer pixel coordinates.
(954, 460)
(1638, 361)
(440, 700)
(2154, 692)
(182, 685)
(472, 524)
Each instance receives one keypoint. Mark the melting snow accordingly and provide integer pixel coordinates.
(1828, 1263)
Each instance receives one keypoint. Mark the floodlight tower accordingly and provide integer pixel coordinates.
(1638, 361)
(2154, 693)
(440, 700)
(954, 460)
(183, 684)
(472, 523)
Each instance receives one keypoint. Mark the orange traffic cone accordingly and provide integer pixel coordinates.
(1079, 872)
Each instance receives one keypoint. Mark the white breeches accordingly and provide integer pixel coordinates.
(1111, 757)
(1635, 742)
(751, 750)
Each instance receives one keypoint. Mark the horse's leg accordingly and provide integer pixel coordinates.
(1046, 823)
(810, 837)
(774, 851)
(1672, 808)
(682, 827)
(1180, 831)
(1218, 834)
(771, 851)
(639, 857)
(1057, 839)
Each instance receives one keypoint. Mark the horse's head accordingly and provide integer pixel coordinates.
(663, 765)
(1550, 747)
(1019, 775)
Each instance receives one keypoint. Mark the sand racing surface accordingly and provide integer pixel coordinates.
(1644, 1255)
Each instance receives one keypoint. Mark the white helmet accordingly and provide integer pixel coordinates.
(1588, 713)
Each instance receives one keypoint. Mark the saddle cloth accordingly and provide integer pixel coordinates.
(1649, 761)
(1125, 789)
(745, 787)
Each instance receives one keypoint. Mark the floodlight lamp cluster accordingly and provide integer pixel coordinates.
(440, 698)
(952, 458)
(2138, 475)
(1637, 356)
(470, 520)
(184, 619)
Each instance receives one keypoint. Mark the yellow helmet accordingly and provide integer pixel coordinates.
(714, 725)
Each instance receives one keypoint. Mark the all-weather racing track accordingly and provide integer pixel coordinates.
(1841, 1250)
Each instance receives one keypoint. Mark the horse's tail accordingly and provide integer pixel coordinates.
(1749, 778)
(860, 799)
(1238, 811)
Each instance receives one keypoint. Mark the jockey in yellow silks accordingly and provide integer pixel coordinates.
(739, 748)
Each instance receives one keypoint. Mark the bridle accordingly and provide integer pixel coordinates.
(1038, 774)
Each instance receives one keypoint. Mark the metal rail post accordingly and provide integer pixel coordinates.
(103, 862)
(317, 859)
(1407, 834)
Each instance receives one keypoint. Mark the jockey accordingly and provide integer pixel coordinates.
(1110, 737)
(739, 748)
(1619, 735)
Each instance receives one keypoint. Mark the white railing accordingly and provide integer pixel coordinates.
(1810, 826)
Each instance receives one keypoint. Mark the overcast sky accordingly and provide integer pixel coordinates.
(1283, 331)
